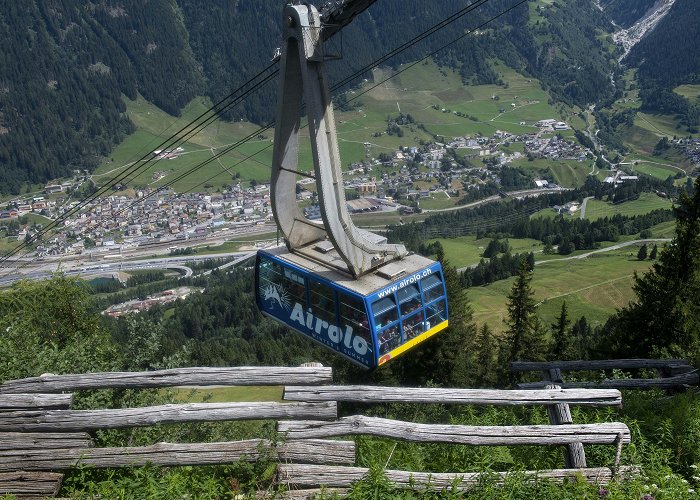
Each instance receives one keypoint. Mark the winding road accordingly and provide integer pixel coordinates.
(588, 254)
(606, 249)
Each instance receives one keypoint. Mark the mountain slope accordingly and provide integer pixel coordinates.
(626, 12)
(63, 68)
(66, 64)
(669, 54)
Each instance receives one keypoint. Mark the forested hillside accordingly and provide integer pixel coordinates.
(669, 54)
(626, 12)
(65, 65)
(667, 57)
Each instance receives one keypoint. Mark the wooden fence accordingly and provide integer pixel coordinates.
(671, 373)
(41, 436)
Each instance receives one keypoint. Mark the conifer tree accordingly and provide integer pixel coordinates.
(654, 252)
(484, 362)
(665, 317)
(445, 358)
(562, 345)
(521, 311)
(642, 254)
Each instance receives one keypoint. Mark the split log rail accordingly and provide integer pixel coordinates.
(672, 373)
(41, 436)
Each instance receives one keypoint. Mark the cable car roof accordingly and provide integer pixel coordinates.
(367, 284)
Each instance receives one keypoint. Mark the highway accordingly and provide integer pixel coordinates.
(108, 268)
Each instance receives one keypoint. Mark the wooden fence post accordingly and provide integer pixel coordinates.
(560, 414)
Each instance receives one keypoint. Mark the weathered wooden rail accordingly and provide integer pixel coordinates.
(41, 436)
(672, 373)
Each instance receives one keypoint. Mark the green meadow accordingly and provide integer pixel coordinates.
(594, 287)
(467, 250)
(691, 92)
(227, 394)
(361, 131)
(596, 209)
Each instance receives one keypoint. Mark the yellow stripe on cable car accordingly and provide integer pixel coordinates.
(413, 342)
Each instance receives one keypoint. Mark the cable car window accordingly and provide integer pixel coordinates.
(353, 313)
(435, 314)
(409, 299)
(432, 287)
(270, 271)
(388, 339)
(384, 311)
(295, 285)
(414, 326)
(322, 301)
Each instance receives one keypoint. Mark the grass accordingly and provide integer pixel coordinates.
(660, 172)
(691, 92)
(438, 200)
(659, 125)
(594, 287)
(466, 250)
(361, 131)
(7, 245)
(228, 394)
(566, 173)
(233, 246)
(647, 202)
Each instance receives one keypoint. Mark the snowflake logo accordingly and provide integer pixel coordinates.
(275, 293)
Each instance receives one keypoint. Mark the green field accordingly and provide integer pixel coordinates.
(361, 131)
(153, 126)
(659, 125)
(647, 202)
(228, 394)
(466, 250)
(425, 86)
(661, 172)
(438, 200)
(7, 245)
(594, 287)
(691, 92)
(566, 173)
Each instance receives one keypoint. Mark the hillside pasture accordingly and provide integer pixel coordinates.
(689, 91)
(467, 250)
(647, 202)
(362, 131)
(594, 287)
(566, 173)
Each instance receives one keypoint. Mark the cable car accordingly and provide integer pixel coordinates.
(342, 286)
(368, 321)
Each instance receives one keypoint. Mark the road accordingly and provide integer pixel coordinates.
(606, 249)
(583, 206)
(97, 269)
(511, 194)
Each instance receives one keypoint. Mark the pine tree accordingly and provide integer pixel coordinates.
(562, 345)
(536, 341)
(484, 362)
(521, 310)
(654, 252)
(642, 254)
(665, 318)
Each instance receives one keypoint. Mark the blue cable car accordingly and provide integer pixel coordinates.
(369, 321)
(340, 285)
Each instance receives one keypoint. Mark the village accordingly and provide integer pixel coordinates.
(391, 182)
(162, 298)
